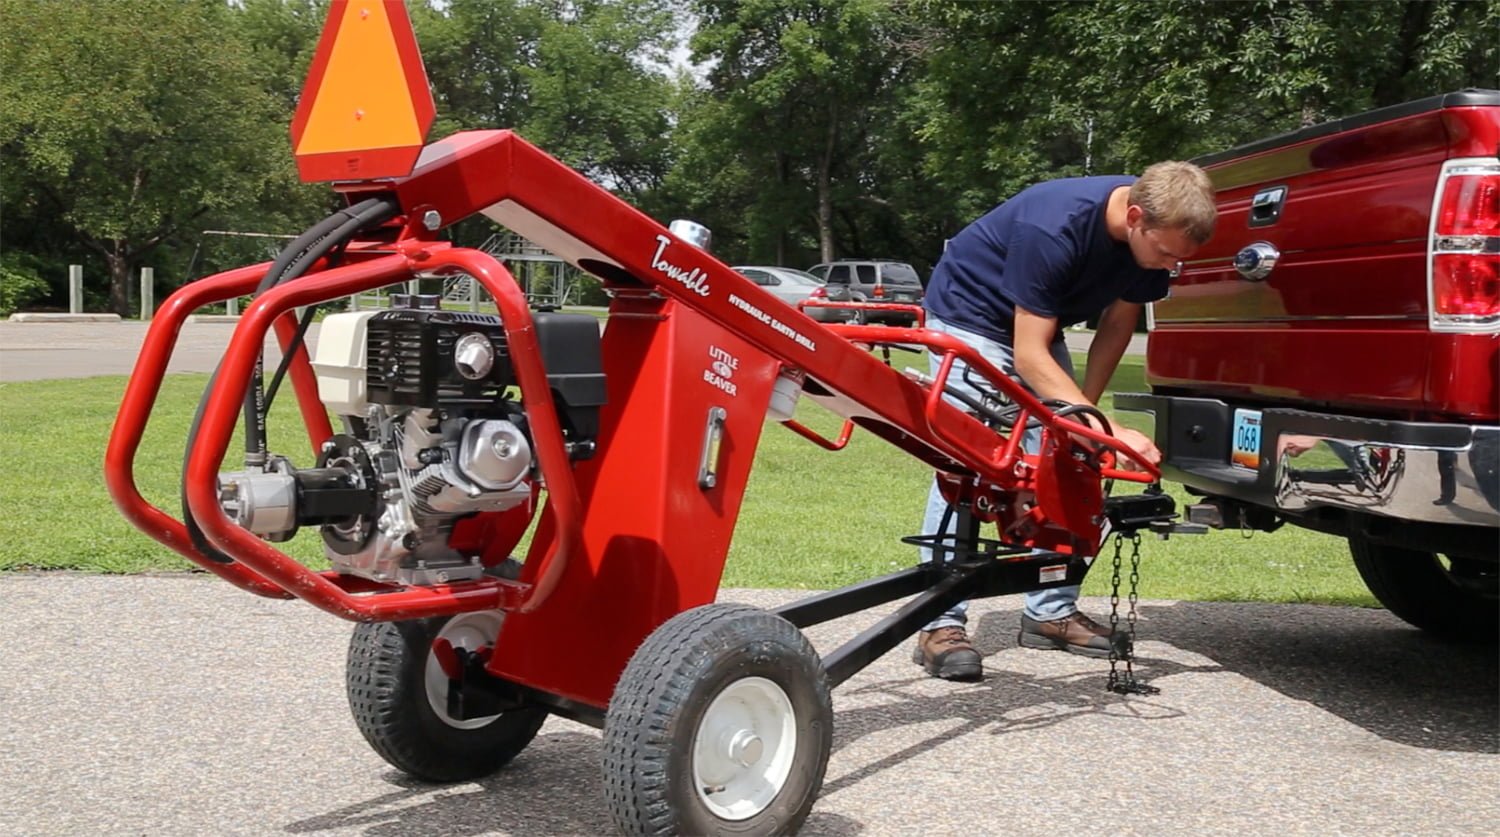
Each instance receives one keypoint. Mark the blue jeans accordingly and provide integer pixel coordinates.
(1041, 605)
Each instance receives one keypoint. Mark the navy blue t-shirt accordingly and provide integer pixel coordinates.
(1046, 250)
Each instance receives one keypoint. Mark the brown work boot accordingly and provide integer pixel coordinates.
(946, 653)
(1074, 633)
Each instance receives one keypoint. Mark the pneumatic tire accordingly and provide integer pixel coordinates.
(1457, 601)
(396, 694)
(720, 724)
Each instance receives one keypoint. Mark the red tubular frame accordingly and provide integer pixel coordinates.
(813, 436)
(135, 408)
(1000, 467)
(328, 593)
(263, 569)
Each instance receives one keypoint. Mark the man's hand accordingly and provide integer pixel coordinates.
(1133, 439)
(1036, 366)
(1138, 442)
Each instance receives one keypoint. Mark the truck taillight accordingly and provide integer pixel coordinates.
(1463, 253)
(879, 291)
(1470, 205)
(1466, 287)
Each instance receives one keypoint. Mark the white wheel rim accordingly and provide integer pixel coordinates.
(744, 748)
(470, 631)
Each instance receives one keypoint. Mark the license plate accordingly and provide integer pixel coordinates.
(1244, 444)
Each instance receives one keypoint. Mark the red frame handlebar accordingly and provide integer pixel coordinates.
(1001, 465)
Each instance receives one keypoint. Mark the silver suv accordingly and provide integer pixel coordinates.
(867, 281)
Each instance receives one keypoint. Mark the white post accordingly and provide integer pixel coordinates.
(232, 306)
(75, 289)
(148, 293)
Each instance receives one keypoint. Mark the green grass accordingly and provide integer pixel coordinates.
(819, 520)
(57, 513)
(811, 519)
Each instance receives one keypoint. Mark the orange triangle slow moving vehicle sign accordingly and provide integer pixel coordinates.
(366, 106)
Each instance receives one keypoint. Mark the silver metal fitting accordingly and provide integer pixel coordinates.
(692, 232)
(474, 356)
(263, 502)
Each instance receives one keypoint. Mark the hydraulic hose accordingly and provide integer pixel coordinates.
(334, 231)
(293, 262)
(337, 239)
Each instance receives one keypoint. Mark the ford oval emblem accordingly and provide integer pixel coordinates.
(1256, 261)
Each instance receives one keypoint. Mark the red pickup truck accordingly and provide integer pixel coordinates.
(1331, 359)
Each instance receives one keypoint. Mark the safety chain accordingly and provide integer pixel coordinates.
(1125, 683)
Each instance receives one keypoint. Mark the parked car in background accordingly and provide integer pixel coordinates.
(788, 284)
(872, 280)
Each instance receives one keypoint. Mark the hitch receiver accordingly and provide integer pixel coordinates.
(1153, 510)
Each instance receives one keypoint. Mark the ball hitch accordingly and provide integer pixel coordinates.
(1153, 510)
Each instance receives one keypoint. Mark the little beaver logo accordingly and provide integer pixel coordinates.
(722, 366)
(693, 280)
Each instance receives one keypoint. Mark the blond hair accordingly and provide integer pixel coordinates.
(1178, 196)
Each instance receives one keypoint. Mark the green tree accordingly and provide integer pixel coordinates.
(1013, 93)
(132, 121)
(1199, 76)
(599, 98)
(583, 80)
(580, 78)
(793, 92)
(476, 53)
(19, 282)
(282, 36)
(987, 110)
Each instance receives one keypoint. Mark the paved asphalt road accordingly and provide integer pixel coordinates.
(39, 351)
(175, 705)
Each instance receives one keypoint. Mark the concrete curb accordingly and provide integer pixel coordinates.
(65, 318)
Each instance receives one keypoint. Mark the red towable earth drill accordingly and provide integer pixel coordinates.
(625, 456)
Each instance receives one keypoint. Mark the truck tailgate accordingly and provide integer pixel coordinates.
(1341, 318)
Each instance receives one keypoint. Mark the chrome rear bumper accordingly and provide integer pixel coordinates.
(1420, 471)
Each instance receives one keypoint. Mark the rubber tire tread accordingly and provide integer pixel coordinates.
(384, 679)
(1414, 587)
(657, 702)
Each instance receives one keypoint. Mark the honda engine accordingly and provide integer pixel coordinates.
(436, 432)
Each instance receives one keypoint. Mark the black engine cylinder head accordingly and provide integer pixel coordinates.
(425, 358)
